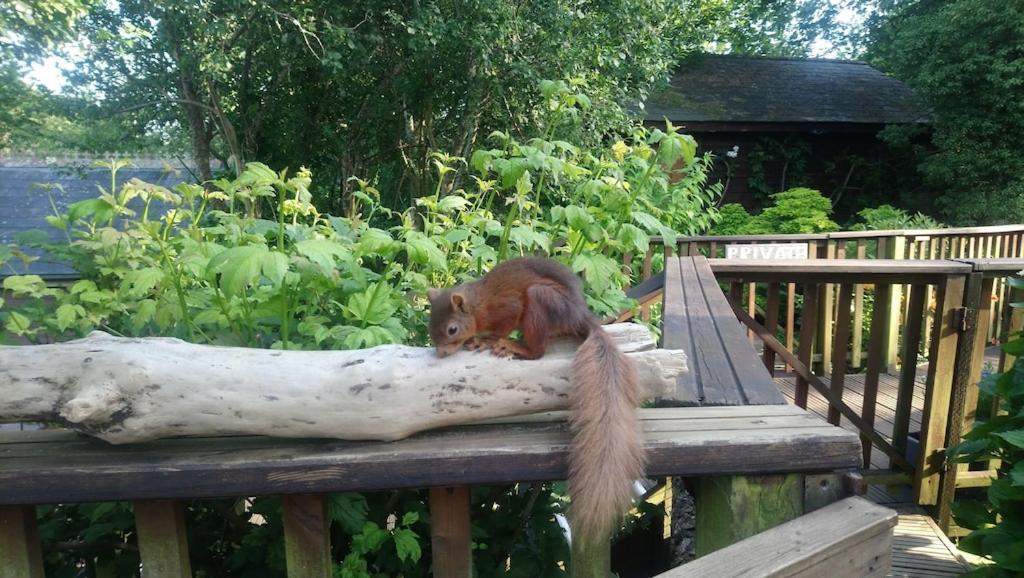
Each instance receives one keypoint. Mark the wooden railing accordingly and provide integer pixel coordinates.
(998, 242)
(952, 328)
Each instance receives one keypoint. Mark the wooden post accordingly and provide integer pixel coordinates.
(981, 336)
(731, 508)
(771, 323)
(450, 539)
(959, 396)
(307, 535)
(163, 545)
(839, 346)
(916, 312)
(858, 314)
(20, 553)
(645, 310)
(938, 389)
(806, 348)
(898, 250)
(880, 318)
(825, 317)
(588, 561)
(790, 316)
(751, 304)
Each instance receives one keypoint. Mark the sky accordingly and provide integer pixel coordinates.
(47, 74)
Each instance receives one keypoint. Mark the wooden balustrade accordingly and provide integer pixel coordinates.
(974, 243)
(953, 327)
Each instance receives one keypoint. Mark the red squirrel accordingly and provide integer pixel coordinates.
(544, 299)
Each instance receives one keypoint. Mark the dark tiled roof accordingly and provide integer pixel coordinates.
(742, 89)
(24, 206)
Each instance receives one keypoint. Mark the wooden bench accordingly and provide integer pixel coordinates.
(851, 538)
(758, 462)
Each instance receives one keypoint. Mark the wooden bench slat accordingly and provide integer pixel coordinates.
(716, 380)
(675, 334)
(755, 384)
(700, 321)
(850, 538)
(78, 469)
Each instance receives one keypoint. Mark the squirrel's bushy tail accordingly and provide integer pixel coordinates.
(607, 453)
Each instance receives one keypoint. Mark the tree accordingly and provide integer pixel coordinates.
(369, 88)
(964, 58)
(27, 30)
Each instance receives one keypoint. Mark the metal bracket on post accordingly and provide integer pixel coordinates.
(966, 318)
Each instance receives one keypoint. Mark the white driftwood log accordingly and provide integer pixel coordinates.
(131, 390)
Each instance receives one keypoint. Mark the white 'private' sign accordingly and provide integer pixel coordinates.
(767, 251)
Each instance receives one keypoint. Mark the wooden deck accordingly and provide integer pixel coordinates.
(920, 549)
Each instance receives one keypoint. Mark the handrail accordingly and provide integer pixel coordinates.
(951, 231)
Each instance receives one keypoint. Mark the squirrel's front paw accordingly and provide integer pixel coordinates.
(504, 348)
(480, 343)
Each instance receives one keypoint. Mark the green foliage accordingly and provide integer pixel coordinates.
(998, 522)
(797, 210)
(962, 57)
(250, 261)
(369, 87)
(888, 217)
(733, 219)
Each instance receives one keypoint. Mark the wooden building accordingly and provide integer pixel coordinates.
(776, 123)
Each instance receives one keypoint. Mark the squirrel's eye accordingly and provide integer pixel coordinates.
(453, 329)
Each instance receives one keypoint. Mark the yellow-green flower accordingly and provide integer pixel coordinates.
(620, 150)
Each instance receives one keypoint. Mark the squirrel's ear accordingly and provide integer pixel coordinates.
(432, 294)
(458, 302)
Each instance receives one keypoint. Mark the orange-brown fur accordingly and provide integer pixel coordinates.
(543, 299)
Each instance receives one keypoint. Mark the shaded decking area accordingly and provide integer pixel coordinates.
(920, 548)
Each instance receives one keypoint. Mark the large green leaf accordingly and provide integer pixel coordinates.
(31, 285)
(1015, 438)
(142, 281)
(598, 270)
(323, 252)
(423, 250)
(349, 510)
(274, 266)
(66, 315)
(239, 267)
(407, 544)
(373, 306)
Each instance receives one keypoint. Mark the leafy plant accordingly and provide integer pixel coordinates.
(797, 210)
(886, 217)
(998, 522)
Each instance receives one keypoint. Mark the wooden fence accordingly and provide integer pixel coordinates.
(827, 320)
(998, 242)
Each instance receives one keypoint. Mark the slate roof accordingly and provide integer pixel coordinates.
(744, 89)
(24, 206)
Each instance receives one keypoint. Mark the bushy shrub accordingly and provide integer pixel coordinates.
(798, 210)
(733, 219)
(887, 217)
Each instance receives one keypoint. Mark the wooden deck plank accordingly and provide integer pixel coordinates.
(919, 547)
(75, 468)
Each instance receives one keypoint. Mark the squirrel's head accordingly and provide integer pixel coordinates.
(451, 320)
